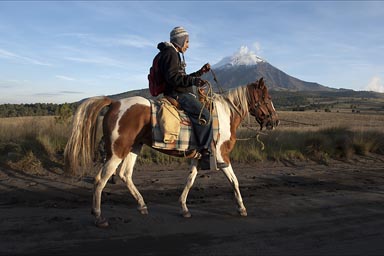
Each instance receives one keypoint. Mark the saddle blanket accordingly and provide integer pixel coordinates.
(186, 139)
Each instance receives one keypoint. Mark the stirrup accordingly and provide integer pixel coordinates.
(197, 155)
(202, 121)
(222, 165)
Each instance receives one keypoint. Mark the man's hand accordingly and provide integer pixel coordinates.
(204, 69)
(200, 82)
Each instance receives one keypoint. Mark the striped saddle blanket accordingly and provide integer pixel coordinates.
(186, 139)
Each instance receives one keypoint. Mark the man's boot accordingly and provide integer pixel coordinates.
(204, 161)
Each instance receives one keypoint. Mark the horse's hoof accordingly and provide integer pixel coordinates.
(186, 214)
(102, 222)
(143, 210)
(95, 213)
(243, 212)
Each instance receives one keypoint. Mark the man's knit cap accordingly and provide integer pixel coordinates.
(178, 36)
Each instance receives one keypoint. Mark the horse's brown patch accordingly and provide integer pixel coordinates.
(228, 145)
(109, 123)
(134, 122)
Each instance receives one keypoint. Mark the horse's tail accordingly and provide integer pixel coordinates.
(80, 147)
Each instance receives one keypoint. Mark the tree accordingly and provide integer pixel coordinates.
(64, 113)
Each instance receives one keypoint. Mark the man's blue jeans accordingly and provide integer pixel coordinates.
(193, 107)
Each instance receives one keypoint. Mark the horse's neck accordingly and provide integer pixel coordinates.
(240, 102)
(237, 104)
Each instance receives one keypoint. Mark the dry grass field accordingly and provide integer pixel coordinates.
(44, 138)
(316, 189)
(313, 120)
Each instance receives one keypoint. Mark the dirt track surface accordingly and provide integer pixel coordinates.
(293, 209)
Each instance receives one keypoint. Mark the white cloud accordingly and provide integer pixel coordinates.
(130, 40)
(375, 85)
(12, 56)
(257, 47)
(13, 82)
(135, 41)
(246, 57)
(66, 78)
(6, 54)
(98, 60)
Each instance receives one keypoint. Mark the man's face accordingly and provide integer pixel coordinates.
(186, 45)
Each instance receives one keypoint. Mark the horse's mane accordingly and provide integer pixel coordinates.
(236, 99)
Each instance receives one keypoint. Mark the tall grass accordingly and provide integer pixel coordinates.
(32, 142)
(38, 143)
(320, 145)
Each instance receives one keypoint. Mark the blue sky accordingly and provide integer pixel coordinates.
(64, 51)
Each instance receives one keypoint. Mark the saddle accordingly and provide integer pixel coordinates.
(169, 119)
(202, 95)
(172, 128)
(173, 101)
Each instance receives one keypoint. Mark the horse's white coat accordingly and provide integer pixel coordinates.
(184, 194)
(273, 107)
(101, 180)
(224, 114)
(125, 174)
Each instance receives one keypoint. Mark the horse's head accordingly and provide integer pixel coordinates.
(261, 105)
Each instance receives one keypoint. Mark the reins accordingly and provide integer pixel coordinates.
(217, 82)
(256, 136)
(294, 122)
(207, 100)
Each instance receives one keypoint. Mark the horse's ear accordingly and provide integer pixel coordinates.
(260, 83)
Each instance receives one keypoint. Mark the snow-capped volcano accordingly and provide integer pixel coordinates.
(244, 66)
(243, 56)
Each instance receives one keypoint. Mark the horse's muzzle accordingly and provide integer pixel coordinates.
(271, 124)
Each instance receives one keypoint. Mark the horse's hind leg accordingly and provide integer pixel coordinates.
(184, 194)
(228, 171)
(101, 180)
(126, 175)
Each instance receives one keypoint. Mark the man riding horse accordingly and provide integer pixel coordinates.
(127, 126)
(179, 86)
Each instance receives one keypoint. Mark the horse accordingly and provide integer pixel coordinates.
(127, 127)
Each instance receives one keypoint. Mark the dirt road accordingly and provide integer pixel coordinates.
(300, 208)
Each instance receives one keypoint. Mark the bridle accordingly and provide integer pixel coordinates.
(257, 105)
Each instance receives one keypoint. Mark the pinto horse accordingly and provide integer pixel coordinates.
(127, 127)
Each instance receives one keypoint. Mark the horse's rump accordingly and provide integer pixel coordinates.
(186, 138)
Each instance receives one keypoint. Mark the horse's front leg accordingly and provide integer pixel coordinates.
(228, 171)
(184, 195)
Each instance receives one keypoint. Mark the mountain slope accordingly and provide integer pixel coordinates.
(244, 67)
